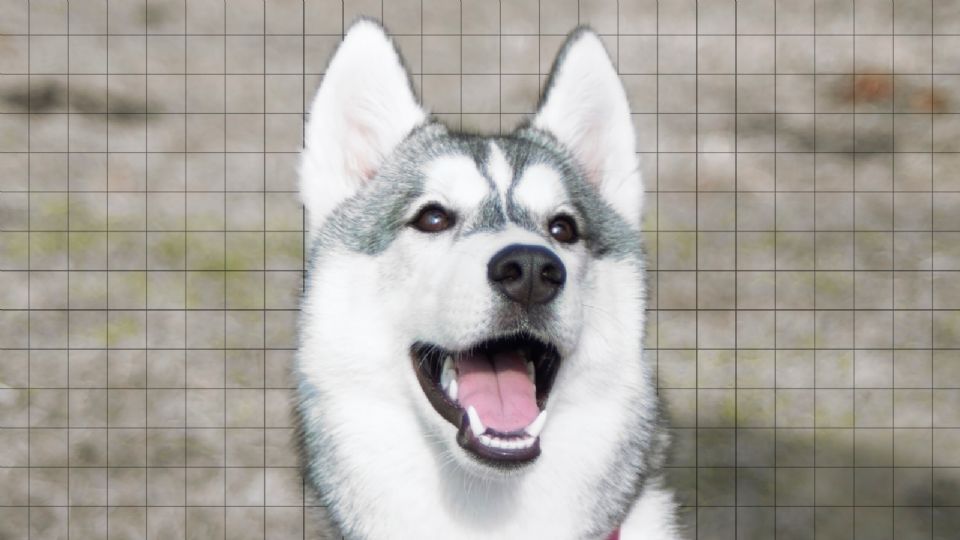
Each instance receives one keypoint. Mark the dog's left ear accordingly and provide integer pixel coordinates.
(365, 107)
(585, 107)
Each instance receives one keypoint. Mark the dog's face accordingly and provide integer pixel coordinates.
(492, 274)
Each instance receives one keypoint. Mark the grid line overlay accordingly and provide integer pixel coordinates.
(801, 165)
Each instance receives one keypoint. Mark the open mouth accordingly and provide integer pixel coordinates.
(495, 392)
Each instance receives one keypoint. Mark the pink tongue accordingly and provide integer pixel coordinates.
(499, 389)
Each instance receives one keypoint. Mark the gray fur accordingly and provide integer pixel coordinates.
(643, 450)
(371, 220)
(490, 217)
(368, 222)
(607, 233)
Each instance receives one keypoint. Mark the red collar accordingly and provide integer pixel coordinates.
(615, 535)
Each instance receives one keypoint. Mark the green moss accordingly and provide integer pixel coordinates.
(204, 251)
(44, 242)
(946, 329)
(14, 250)
(120, 328)
(284, 250)
(245, 251)
(834, 284)
(844, 361)
(167, 250)
(244, 290)
(727, 414)
(84, 241)
(52, 208)
(205, 290)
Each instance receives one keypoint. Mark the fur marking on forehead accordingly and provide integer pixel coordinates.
(457, 180)
(540, 189)
(499, 170)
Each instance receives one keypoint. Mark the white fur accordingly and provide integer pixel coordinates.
(395, 464)
(382, 446)
(587, 109)
(363, 109)
(389, 436)
(499, 171)
(454, 182)
(646, 519)
(540, 190)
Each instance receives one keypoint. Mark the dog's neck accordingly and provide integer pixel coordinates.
(410, 485)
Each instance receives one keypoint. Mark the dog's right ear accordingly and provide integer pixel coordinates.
(585, 107)
(364, 108)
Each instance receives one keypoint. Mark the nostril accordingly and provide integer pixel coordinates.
(552, 274)
(510, 271)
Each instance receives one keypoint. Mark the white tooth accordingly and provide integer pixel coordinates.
(475, 424)
(452, 391)
(446, 373)
(528, 442)
(536, 426)
(532, 372)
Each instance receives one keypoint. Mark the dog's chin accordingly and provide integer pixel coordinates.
(478, 468)
(494, 394)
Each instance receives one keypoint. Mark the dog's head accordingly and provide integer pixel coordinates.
(498, 275)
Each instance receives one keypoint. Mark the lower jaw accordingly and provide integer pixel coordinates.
(493, 456)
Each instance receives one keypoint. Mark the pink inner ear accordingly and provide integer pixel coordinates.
(588, 152)
(362, 154)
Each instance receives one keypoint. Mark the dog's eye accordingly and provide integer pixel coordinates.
(433, 219)
(563, 229)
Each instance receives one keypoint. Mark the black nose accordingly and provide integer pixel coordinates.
(528, 275)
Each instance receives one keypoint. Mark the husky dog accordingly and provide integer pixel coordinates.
(471, 362)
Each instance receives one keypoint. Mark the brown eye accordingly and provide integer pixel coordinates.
(433, 219)
(563, 229)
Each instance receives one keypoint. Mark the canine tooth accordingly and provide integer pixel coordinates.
(446, 373)
(475, 424)
(536, 426)
(532, 372)
(452, 390)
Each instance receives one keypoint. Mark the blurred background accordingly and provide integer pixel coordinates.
(802, 163)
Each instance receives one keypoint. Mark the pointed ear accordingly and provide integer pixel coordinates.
(364, 108)
(585, 107)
